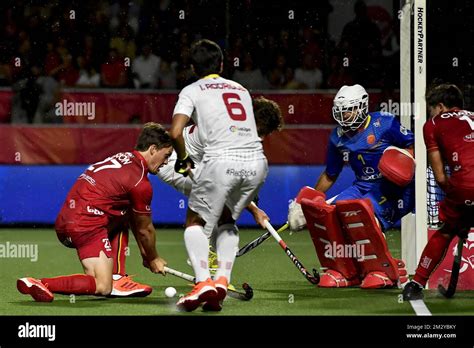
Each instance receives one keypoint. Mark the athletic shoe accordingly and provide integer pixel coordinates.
(215, 304)
(202, 292)
(412, 291)
(125, 286)
(35, 288)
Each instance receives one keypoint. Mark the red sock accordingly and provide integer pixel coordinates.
(119, 244)
(432, 255)
(77, 284)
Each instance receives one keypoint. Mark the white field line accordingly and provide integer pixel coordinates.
(420, 308)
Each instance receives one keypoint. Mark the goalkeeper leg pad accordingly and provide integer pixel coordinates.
(326, 233)
(378, 268)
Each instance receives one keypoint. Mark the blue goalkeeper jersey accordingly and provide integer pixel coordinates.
(363, 150)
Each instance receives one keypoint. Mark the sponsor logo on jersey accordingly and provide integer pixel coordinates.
(469, 138)
(148, 208)
(241, 173)
(87, 178)
(469, 202)
(377, 123)
(243, 131)
(368, 170)
(370, 177)
(94, 211)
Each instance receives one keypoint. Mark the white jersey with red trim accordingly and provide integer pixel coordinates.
(223, 112)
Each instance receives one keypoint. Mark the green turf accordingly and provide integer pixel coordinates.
(279, 289)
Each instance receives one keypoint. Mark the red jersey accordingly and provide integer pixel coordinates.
(107, 189)
(452, 133)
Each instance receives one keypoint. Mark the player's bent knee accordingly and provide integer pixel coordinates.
(103, 288)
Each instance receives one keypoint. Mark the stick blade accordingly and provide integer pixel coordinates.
(448, 293)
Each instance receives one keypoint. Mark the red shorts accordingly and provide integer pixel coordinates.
(87, 233)
(87, 244)
(457, 209)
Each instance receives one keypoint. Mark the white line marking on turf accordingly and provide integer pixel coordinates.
(420, 308)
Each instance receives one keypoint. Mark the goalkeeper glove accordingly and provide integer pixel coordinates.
(181, 166)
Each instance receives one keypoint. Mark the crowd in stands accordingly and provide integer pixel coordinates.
(144, 44)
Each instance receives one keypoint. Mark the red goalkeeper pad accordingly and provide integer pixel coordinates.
(358, 221)
(397, 165)
(325, 230)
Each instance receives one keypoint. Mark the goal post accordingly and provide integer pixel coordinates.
(413, 61)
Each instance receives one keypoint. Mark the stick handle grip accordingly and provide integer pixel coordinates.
(179, 274)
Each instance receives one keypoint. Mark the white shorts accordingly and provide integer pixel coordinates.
(222, 183)
(170, 177)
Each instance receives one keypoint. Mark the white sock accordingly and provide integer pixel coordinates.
(197, 246)
(227, 244)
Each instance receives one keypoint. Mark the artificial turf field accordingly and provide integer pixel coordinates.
(279, 288)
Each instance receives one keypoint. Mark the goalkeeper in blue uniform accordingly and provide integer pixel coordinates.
(380, 152)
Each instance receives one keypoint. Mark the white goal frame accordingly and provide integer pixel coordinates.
(414, 233)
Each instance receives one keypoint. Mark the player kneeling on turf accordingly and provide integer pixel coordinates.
(379, 151)
(99, 200)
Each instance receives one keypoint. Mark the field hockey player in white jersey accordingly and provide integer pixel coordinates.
(233, 168)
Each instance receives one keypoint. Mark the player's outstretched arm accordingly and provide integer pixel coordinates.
(145, 234)
(325, 182)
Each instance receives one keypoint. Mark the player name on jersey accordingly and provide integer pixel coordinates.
(220, 85)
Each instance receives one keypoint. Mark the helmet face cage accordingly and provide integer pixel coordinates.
(360, 107)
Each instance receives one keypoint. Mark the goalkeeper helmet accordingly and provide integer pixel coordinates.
(351, 107)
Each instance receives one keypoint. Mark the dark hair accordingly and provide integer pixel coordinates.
(153, 134)
(206, 57)
(268, 116)
(448, 94)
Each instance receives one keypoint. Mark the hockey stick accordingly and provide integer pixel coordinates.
(453, 281)
(313, 279)
(256, 242)
(232, 292)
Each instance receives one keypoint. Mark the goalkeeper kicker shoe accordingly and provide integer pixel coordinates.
(35, 288)
(125, 286)
(202, 292)
(412, 291)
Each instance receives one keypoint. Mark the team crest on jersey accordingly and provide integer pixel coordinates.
(370, 139)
